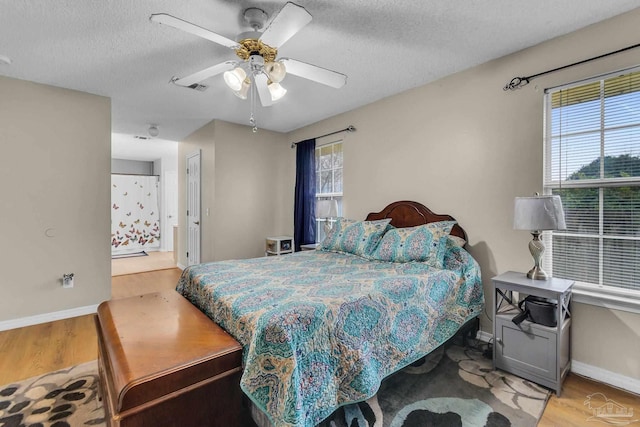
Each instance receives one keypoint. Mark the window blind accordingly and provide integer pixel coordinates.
(592, 161)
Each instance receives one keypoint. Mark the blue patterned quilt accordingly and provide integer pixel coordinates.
(322, 329)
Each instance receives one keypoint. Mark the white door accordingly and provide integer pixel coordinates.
(171, 207)
(193, 208)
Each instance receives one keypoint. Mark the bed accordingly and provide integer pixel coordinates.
(321, 329)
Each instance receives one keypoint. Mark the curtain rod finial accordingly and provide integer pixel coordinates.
(516, 83)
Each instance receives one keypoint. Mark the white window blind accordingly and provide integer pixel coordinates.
(592, 161)
(329, 168)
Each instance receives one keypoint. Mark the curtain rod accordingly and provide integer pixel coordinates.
(518, 82)
(349, 128)
(133, 174)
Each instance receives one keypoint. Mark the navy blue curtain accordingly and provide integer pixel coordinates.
(304, 212)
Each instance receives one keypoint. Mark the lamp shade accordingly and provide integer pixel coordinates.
(275, 70)
(277, 91)
(244, 89)
(327, 209)
(538, 213)
(234, 78)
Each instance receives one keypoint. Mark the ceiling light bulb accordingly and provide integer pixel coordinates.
(275, 70)
(244, 90)
(153, 131)
(277, 91)
(234, 78)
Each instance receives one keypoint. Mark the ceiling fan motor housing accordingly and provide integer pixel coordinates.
(253, 46)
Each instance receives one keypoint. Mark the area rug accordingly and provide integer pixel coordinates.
(132, 255)
(65, 398)
(452, 387)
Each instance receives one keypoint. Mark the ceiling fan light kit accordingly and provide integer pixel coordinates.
(260, 72)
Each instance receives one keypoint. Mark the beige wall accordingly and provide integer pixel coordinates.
(463, 146)
(55, 180)
(247, 186)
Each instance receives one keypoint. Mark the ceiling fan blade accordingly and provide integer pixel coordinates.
(263, 90)
(205, 74)
(286, 23)
(172, 21)
(315, 73)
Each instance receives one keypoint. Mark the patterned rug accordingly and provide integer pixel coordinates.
(65, 398)
(453, 387)
(456, 387)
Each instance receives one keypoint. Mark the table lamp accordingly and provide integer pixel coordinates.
(327, 209)
(536, 214)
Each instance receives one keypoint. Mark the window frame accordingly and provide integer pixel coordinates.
(619, 298)
(336, 195)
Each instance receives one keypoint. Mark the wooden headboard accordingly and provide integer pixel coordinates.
(410, 214)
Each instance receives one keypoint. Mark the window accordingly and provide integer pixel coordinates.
(328, 179)
(592, 161)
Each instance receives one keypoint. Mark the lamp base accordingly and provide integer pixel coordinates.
(536, 247)
(327, 227)
(536, 273)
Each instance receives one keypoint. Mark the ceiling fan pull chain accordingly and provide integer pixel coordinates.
(252, 119)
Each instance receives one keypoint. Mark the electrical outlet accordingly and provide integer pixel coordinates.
(67, 280)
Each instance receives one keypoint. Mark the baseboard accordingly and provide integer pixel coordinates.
(606, 377)
(484, 336)
(180, 266)
(598, 374)
(47, 317)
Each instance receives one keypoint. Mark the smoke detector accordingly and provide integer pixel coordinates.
(153, 131)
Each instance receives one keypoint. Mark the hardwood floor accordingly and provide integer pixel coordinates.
(34, 350)
(570, 410)
(38, 349)
(144, 283)
(155, 260)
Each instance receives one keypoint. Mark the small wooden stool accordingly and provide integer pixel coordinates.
(162, 362)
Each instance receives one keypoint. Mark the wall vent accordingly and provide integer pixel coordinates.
(196, 86)
(199, 87)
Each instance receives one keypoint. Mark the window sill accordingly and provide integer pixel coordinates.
(602, 296)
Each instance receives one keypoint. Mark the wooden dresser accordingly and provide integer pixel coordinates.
(162, 362)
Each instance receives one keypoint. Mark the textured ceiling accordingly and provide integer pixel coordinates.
(110, 48)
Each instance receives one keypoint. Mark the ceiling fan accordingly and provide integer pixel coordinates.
(259, 68)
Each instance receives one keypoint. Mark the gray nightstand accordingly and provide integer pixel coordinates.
(539, 353)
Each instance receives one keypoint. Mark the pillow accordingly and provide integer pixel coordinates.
(456, 241)
(424, 243)
(354, 237)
